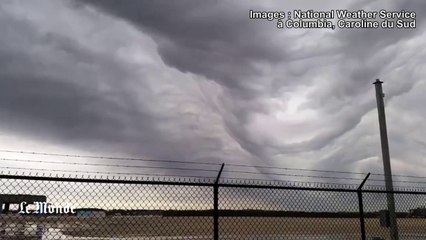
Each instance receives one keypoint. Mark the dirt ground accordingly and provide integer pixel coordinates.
(203, 226)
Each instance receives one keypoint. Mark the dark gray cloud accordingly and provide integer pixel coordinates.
(55, 88)
(35, 93)
(212, 38)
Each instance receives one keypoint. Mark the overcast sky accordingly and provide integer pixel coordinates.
(200, 81)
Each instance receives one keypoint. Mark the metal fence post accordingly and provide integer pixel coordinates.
(216, 205)
(361, 208)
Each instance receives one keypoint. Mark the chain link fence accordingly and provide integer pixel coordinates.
(66, 208)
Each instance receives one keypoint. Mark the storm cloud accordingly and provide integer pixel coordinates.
(200, 81)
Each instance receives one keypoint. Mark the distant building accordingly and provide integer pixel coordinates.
(135, 212)
(20, 230)
(7, 199)
(418, 212)
(90, 212)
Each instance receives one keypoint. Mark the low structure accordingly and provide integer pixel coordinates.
(418, 212)
(90, 212)
(7, 199)
(19, 230)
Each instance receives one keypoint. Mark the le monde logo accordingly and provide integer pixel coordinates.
(45, 208)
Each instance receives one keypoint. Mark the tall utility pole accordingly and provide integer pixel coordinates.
(386, 160)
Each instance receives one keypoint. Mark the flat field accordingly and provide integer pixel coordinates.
(133, 226)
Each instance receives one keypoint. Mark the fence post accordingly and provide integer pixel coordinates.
(216, 205)
(361, 208)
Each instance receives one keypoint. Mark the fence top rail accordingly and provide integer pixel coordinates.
(420, 192)
(209, 183)
(318, 189)
(323, 189)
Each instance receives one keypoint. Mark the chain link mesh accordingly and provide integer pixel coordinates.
(104, 210)
(110, 209)
(410, 208)
(289, 214)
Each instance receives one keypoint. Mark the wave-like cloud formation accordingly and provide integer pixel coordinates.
(201, 81)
